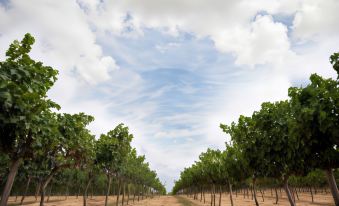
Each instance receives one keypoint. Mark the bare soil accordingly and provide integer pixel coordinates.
(95, 201)
(239, 200)
(305, 199)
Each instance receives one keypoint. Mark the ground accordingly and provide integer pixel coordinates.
(99, 201)
(239, 200)
(305, 199)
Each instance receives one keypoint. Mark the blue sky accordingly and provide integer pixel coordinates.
(174, 70)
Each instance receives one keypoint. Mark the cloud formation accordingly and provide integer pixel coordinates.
(64, 38)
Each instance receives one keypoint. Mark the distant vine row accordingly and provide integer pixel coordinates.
(292, 141)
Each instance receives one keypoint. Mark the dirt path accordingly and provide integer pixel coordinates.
(162, 201)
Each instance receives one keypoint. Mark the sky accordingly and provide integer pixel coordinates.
(173, 70)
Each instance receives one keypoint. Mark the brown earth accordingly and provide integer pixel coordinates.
(96, 201)
(239, 200)
(305, 199)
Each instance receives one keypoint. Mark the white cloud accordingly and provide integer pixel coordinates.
(313, 58)
(316, 20)
(234, 26)
(263, 42)
(229, 24)
(64, 38)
